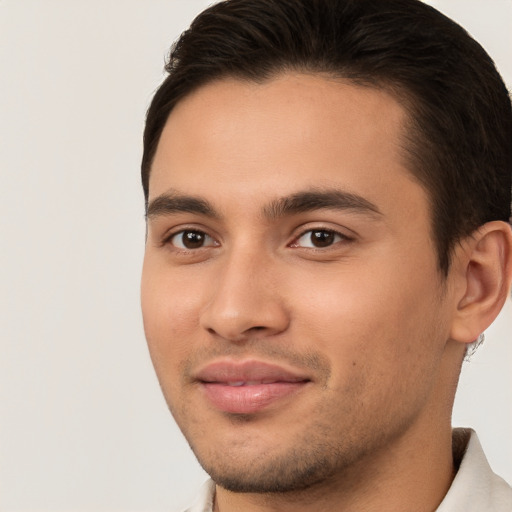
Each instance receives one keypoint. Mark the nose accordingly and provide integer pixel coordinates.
(246, 301)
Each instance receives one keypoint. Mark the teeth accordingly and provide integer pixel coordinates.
(249, 382)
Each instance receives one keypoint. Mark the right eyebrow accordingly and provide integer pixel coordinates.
(169, 203)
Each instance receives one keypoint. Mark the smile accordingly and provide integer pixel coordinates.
(248, 387)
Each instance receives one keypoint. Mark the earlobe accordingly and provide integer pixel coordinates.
(486, 259)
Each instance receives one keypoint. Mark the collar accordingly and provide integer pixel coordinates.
(475, 487)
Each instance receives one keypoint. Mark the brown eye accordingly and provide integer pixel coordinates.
(318, 238)
(191, 239)
(322, 238)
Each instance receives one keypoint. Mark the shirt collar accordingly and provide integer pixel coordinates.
(475, 487)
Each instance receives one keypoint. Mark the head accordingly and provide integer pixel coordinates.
(328, 193)
(460, 119)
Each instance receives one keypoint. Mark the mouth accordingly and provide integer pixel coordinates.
(248, 387)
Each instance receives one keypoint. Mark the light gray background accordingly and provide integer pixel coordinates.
(83, 426)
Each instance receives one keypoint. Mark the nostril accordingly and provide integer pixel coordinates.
(239, 336)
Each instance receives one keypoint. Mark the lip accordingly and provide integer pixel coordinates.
(248, 387)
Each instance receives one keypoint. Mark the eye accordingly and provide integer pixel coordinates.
(191, 239)
(318, 238)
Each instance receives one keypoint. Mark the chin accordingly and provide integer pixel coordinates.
(280, 473)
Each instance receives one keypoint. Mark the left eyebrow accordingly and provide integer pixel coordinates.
(311, 200)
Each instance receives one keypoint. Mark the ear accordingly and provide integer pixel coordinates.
(483, 279)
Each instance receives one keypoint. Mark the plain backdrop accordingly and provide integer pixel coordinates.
(83, 426)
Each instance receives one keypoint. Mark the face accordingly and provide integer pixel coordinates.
(292, 303)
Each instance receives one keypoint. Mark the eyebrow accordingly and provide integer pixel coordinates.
(330, 199)
(299, 202)
(167, 204)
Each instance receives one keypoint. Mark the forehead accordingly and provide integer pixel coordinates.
(296, 131)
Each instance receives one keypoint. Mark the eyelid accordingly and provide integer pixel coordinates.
(337, 232)
(207, 240)
(345, 234)
(167, 237)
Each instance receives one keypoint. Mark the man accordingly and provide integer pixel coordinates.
(328, 190)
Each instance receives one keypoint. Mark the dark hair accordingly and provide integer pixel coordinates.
(459, 142)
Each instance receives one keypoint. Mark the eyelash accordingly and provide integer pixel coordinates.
(336, 235)
(332, 236)
(198, 232)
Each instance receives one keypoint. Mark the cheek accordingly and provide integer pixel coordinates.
(378, 319)
(169, 311)
(350, 300)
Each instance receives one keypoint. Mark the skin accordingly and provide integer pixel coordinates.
(367, 317)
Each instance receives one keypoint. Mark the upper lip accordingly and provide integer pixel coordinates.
(249, 371)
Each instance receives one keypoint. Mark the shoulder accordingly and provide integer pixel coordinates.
(475, 488)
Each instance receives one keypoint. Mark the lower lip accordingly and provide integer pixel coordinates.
(249, 399)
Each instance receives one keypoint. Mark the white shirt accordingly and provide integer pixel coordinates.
(475, 487)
